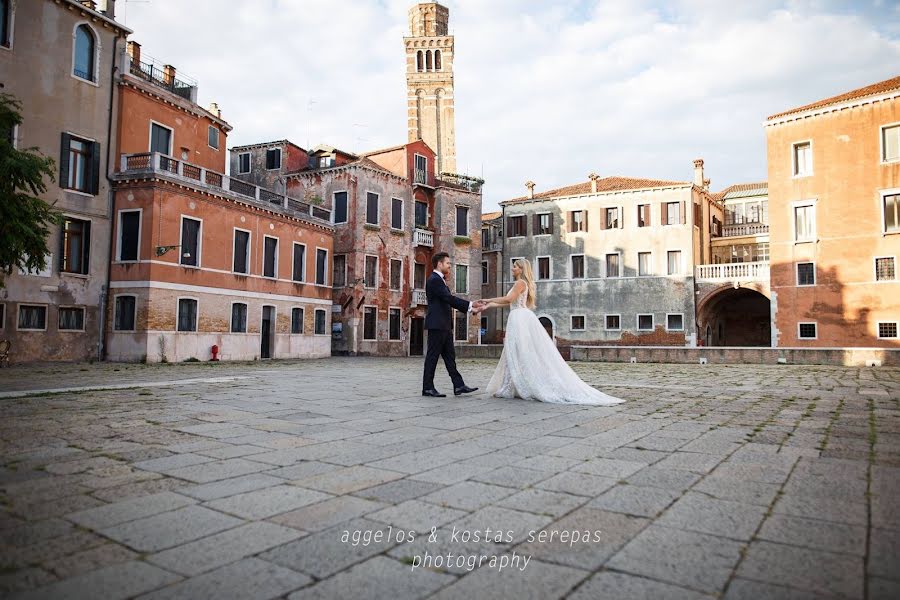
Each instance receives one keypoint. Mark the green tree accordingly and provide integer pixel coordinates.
(25, 219)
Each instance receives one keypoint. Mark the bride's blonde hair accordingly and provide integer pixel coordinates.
(528, 276)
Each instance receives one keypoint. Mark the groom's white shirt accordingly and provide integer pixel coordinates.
(441, 275)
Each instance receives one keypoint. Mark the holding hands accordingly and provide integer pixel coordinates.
(479, 306)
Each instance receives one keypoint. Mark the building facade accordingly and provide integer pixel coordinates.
(491, 321)
(834, 211)
(204, 265)
(57, 58)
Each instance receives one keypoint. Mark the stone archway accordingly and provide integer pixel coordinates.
(548, 325)
(735, 316)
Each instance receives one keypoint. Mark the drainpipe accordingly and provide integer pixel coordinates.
(502, 290)
(104, 290)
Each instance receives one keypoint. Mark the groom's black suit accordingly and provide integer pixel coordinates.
(439, 323)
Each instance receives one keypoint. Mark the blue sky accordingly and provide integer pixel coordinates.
(544, 91)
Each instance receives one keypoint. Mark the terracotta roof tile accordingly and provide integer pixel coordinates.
(491, 216)
(605, 184)
(869, 90)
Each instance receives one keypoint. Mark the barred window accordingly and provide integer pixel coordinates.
(887, 330)
(807, 330)
(885, 269)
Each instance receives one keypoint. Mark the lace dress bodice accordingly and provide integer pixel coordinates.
(521, 301)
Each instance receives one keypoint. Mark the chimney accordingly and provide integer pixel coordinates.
(698, 172)
(214, 109)
(530, 186)
(89, 4)
(134, 51)
(169, 75)
(108, 8)
(593, 177)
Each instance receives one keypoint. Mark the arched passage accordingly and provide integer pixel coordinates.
(548, 326)
(735, 317)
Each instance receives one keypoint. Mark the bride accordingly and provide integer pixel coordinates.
(530, 366)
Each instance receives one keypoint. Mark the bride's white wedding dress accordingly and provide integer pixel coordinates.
(531, 367)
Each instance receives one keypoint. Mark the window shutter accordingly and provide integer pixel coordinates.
(603, 221)
(683, 211)
(585, 214)
(621, 217)
(550, 222)
(64, 160)
(535, 224)
(62, 247)
(95, 168)
(86, 248)
(509, 226)
(664, 218)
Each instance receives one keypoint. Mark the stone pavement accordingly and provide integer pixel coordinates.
(306, 480)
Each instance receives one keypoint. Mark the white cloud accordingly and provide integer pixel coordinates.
(544, 91)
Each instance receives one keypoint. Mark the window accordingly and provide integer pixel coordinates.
(79, 164)
(805, 223)
(462, 221)
(296, 320)
(421, 169)
(612, 265)
(71, 318)
(212, 137)
(892, 213)
(543, 267)
(321, 266)
(270, 257)
(674, 322)
(396, 213)
(890, 143)
(243, 163)
(371, 208)
(673, 260)
(76, 246)
(643, 215)
(806, 273)
(320, 322)
(298, 266)
(485, 278)
(645, 322)
(160, 139)
(578, 220)
(577, 266)
(516, 226)
(887, 330)
(5, 22)
(187, 314)
(396, 272)
(32, 317)
(645, 264)
(273, 159)
(484, 325)
(369, 323)
(421, 214)
(613, 322)
(394, 324)
(241, 259)
(339, 271)
(238, 317)
(2, 316)
(371, 274)
(462, 279)
(577, 323)
(419, 276)
(802, 159)
(885, 269)
(543, 224)
(462, 326)
(124, 313)
(190, 242)
(340, 207)
(672, 213)
(85, 53)
(807, 331)
(129, 234)
(612, 218)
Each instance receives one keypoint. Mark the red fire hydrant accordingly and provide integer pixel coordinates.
(215, 352)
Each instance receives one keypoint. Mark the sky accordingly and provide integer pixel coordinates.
(545, 91)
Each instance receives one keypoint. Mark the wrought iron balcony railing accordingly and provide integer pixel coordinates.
(149, 70)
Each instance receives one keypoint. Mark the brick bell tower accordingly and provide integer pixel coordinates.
(429, 82)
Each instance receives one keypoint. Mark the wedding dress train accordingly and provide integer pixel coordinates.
(531, 367)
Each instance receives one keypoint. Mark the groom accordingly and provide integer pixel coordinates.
(439, 323)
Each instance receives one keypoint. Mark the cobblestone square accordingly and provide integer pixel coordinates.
(241, 480)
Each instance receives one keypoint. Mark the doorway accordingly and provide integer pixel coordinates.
(267, 331)
(417, 336)
(548, 326)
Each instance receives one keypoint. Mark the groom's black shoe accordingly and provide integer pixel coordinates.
(463, 390)
(433, 393)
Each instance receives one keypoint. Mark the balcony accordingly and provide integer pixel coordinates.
(463, 182)
(153, 163)
(419, 298)
(423, 237)
(421, 177)
(748, 271)
(744, 229)
(163, 76)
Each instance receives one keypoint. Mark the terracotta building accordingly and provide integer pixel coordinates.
(834, 211)
(57, 57)
(199, 259)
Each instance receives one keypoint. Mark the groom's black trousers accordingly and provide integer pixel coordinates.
(440, 343)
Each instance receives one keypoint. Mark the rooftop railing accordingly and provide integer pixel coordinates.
(150, 70)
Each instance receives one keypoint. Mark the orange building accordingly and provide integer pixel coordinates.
(199, 259)
(834, 215)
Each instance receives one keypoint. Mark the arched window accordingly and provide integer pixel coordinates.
(5, 21)
(85, 51)
(437, 60)
(428, 63)
(419, 61)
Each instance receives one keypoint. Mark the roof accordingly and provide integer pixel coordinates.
(870, 90)
(604, 184)
(491, 216)
(262, 144)
(742, 190)
(359, 162)
(330, 150)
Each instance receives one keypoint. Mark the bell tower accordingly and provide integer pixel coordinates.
(429, 82)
